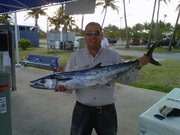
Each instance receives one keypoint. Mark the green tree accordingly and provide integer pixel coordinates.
(158, 18)
(151, 26)
(77, 30)
(6, 19)
(57, 19)
(24, 43)
(137, 30)
(42, 34)
(112, 32)
(165, 29)
(106, 4)
(60, 20)
(35, 13)
(175, 27)
(68, 23)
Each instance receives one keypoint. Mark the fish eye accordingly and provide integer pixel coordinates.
(42, 81)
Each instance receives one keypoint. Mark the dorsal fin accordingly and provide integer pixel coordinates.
(64, 79)
(98, 65)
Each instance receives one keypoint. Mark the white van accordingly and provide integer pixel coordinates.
(76, 42)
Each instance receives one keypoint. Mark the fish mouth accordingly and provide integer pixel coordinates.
(43, 84)
(33, 86)
(37, 86)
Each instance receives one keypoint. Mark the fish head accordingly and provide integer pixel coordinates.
(44, 83)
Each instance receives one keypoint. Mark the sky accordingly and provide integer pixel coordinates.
(137, 11)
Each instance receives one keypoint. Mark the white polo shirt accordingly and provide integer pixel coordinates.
(104, 43)
(101, 95)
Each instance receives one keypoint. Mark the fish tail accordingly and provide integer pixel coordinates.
(149, 54)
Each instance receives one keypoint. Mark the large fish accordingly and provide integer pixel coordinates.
(96, 76)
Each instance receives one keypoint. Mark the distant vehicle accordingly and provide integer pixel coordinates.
(112, 41)
(165, 42)
(144, 42)
(76, 42)
(134, 41)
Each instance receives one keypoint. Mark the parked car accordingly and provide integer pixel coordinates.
(134, 41)
(76, 42)
(165, 42)
(143, 42)
(112, 41)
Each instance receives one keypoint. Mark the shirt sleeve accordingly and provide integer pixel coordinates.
(70, 63)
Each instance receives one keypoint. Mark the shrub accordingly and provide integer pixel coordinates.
(24, 43)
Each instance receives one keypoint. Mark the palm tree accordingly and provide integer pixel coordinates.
(150, 33)
(35, 13)
(158, 18)
(106, 4)
(175, 27)
(127, 33)
(57, 19)
(61, 20)
(68, 23)
(6, 19)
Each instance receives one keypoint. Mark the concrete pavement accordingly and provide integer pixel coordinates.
(156, 55)
(45, 112)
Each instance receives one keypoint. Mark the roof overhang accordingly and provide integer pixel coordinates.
(9, 6)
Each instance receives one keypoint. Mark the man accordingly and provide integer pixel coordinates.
(104, 42)
(94, 106)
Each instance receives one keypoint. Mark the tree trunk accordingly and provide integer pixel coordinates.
(150, 33)
(82, 22)
(155, 38)
(104, 17)
(175, 27)
(127, 33)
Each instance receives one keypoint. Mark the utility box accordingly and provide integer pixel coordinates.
(60, 40)
(5, 106)
(82, 43)
(5, 64)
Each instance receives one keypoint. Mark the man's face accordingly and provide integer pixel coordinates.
(93, 37)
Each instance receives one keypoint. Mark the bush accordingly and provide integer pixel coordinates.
(24, 43)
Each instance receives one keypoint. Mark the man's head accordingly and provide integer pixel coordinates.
(93, 35)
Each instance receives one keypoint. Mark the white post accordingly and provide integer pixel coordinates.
(16, 40)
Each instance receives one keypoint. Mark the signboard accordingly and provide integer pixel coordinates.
(80, 7)
(3, 104)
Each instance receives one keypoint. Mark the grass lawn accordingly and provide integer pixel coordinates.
(159, 78)
(158, 49)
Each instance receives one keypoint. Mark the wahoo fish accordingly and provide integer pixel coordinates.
(96, 76)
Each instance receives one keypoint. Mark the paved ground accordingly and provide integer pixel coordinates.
(156, 55)
(43, 112)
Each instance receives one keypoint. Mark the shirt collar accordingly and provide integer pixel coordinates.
(100, 50)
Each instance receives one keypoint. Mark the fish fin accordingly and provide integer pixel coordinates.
(149, 54)
(154, 62)
(98, 65)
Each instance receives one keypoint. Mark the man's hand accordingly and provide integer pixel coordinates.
(144, 60)
(60, 88)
